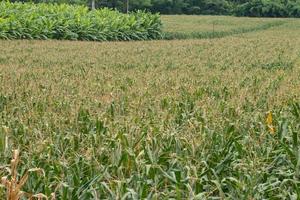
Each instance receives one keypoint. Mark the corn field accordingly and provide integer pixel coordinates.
(178, 119)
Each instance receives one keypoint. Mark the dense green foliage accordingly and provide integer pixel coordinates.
(269, 8)
(50, 21)
(257, 8)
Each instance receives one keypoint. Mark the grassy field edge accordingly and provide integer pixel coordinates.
(220, 34)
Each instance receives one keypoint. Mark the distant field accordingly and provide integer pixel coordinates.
(184, 119)
(194, 23)
(185, 26)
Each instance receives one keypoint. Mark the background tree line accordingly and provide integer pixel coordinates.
(254, 8)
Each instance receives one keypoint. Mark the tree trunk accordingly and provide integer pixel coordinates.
(126, 6)
(93, 5)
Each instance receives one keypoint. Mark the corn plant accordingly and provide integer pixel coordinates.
(14, 184)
